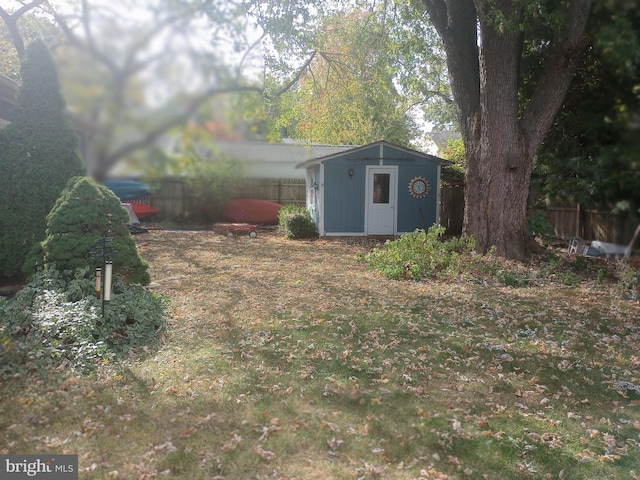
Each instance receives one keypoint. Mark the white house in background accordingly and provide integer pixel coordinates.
(261, 160)
(264, 160)
(438, 140)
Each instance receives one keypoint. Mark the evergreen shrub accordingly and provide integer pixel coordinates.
(39, 154)
(84, 212)
(56, 320)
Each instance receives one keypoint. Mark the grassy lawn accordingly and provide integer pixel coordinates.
(289, 359)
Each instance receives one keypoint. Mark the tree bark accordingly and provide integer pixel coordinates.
(498, 178)
(501, 145)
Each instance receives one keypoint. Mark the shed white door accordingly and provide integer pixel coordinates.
(381, 192)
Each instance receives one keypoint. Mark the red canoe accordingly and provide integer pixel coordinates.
(252, 210)
(144, 211)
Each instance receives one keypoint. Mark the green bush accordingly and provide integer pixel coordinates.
(39, 154)
(56, 320)
(539, 226)
(422, 254)
(628, 281)
(84, 212)
(296, 222)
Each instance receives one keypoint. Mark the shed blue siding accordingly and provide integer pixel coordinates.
(344, 208)
(417, 212)
(414, 212)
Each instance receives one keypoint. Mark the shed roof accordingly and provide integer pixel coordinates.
(352, 149)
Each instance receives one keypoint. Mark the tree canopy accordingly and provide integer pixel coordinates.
(353, 74)
(590, 155)
(347, 95)
(131, 73)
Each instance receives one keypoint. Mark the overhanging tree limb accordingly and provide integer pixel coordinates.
(296, 78)
(177, 119)
(11, 21)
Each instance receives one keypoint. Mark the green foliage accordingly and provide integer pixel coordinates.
(629, 282)
(212, 177)
(511, 278)
(454, 151)
(419, 255)
(590, 154)
(296, 222)
(32, 28)
(348, 93)
(423, 254)
(84, 212)
(39, 154)
(56, 321)
(539, 225)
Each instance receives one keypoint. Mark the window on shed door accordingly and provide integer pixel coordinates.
(381, 182)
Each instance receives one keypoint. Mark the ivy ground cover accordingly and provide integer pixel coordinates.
(291, 360)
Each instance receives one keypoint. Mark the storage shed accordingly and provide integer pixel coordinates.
(376, 189)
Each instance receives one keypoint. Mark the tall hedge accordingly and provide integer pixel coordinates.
(84, 212)
(39, 152)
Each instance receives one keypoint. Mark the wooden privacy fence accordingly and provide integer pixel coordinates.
(284, 191)
(176, 200)
(452, 209)
(566, 222)
(589, 224)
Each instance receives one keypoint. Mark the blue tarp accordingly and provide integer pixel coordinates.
(128, 189)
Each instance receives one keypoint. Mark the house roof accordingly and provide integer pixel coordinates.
(260, 159)
(352, 149)
(440, 139)
(277, 152)
(275, 160)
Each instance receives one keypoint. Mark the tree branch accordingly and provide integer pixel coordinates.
(177, 119)
(456, 23)
(556, 76)
(296, 77)
(11, 21)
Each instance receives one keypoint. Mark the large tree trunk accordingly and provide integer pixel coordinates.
(498, 167)
(500, 142)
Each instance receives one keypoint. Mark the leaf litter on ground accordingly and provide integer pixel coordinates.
(289, 359)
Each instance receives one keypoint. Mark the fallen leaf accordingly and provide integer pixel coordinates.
(266, 454)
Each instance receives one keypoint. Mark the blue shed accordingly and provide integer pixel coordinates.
(376, 189)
